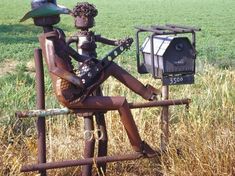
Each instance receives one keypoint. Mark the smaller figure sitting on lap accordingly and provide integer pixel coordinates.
(84, 14)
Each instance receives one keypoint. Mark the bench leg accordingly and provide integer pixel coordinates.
(89, 144)
(102, 135)
(103, 141)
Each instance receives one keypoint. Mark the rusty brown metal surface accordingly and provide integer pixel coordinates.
(64, 111)
(102, 135)
(102, 138)
(40, 98)
(164, 102)
(103, 141)
(74, 94)
(89, 144)
(86, 161)
(84, 14)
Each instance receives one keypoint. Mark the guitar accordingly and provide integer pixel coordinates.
(91, 73)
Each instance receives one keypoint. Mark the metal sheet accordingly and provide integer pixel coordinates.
(161, 43)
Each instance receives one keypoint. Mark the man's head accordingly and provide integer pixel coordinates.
(45, 12)
(84, 14)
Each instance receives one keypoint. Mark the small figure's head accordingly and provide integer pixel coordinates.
(84, 14)
(45, 12)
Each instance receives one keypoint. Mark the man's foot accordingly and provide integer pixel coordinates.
(148, 151)
(154, 93)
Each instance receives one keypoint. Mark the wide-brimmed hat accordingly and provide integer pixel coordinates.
(47, 9)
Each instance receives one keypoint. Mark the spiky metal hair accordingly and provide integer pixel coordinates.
(85, 9)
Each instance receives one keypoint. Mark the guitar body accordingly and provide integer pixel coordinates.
(68, 93)
(91, 74)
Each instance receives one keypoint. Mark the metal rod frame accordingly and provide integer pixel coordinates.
(102, 158)
(65, 111)
(86, 161)
(40, 101)
(89, 144)
(168, 29)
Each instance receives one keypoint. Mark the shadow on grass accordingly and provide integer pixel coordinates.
(18, 28)
(18, 33)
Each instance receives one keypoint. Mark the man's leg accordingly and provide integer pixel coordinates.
(114, 103)
(147, 92)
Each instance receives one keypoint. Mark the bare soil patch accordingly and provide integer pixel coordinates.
(8, 66)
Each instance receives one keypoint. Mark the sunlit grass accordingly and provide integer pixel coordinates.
(202, 142)
(117, 19)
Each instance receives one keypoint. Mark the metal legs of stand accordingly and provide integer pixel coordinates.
(40, 91)
(90, 140)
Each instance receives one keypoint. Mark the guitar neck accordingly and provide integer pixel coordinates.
(106, 60)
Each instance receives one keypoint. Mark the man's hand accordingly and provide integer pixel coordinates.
(77, 82)
(91, 61)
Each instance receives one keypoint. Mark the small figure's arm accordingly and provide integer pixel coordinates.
(106, 41)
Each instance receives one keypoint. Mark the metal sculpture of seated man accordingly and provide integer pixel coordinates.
(70, 88)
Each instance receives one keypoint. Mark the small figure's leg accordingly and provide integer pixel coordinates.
(102, 135)
(147, 92)
(103, 141)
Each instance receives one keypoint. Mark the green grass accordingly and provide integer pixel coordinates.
(117, 19)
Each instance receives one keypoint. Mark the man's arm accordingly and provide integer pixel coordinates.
(75, 55)
(71, 40)
(69, 49)
(62, 73)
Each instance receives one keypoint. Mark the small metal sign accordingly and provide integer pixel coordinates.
(177, 80)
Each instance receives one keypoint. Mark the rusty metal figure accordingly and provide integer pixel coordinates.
(84, 14)
(69, 88)
(72, 90)
(85, 40)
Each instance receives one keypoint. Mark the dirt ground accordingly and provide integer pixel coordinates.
(7, 67)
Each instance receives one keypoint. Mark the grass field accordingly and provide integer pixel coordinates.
(205, 136)
(117, 19)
